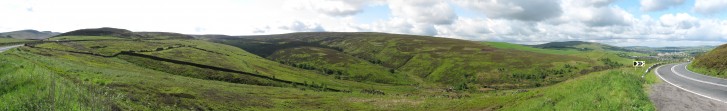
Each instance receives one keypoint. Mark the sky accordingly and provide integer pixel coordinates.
(653, 23)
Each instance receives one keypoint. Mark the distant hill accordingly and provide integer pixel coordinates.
(691, 50)
(28, 34)
(123, 33)
(578, 45)
(164, 35)
(106, 31)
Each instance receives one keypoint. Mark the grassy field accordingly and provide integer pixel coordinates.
(344, 67)
(132, 87)
(99, 74)
(504, 45)
(595, 51)
(85, 38)
(11, 40)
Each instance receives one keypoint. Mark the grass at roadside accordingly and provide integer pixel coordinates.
(619, 89)
(616, 89)
(709, 72)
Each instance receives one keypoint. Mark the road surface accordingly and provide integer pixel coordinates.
(687, 90)
(4, 48)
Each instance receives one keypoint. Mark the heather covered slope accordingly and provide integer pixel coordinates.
(323, 71)
(426, 60)
(713, 63)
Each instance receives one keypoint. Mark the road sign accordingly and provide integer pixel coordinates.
(639, 63)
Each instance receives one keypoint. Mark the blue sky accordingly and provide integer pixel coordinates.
(617, 22)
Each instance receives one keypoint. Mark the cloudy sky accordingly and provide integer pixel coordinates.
(616, 22)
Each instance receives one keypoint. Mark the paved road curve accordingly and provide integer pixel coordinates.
(4, 48)
(705, 86)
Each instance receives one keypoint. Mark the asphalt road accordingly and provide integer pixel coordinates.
(705, 86)
(4, 48)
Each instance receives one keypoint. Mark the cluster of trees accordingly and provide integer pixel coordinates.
(311, 67)
(461, 86)
(610, 63)
(376, 61)
(312, 85)
(544, 76)
(338, 74)
(373, 91)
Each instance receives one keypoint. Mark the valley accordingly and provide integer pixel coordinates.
(336, 71)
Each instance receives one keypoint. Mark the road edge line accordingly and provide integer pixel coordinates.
(662, 78)
(707, 82)
(685, 67)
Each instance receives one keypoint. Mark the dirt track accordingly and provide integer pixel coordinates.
(670, 98)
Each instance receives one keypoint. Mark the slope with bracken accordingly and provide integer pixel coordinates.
(102, 72)
(195, 58)
(713, 63)
(430, 61)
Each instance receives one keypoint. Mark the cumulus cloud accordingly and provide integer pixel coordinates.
(298, 26)
(427, 11)
(288, 27)
(401, 26)
(518, 21)
(710, 7)
(608, 16)
(594, 13)
(680, 20)
(658, 5)
(339, 8)
(594, 21)
(527, 10)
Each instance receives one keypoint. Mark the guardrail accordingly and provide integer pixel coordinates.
(650, 68)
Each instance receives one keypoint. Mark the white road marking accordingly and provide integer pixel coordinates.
(685, 67)
(707, 82)
(662, 78)
(3, 49)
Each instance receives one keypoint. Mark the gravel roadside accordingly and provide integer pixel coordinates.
(670, 98)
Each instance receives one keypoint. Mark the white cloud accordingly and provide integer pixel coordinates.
(658, 5)
(596, 14)
(527, 10)
(427, 11)
(519, 21)
(710, 7)
(332, 7)
(680, 20)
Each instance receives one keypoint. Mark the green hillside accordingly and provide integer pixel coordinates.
(712, 63)
(87, 82)
(429, 61)
(28, 34)
(338, 64)
(111, 70)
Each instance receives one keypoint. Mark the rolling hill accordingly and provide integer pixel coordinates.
(28, 34)
(429, 61)
(117, 69)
